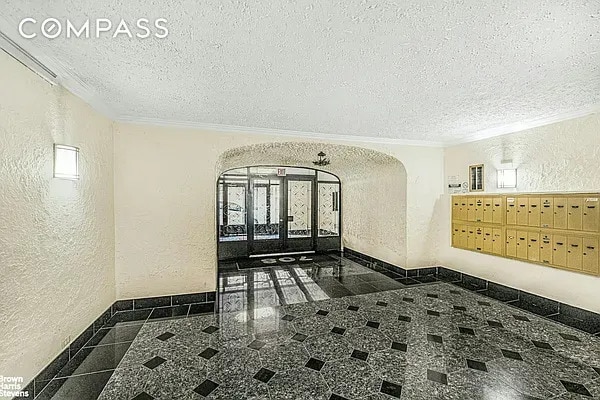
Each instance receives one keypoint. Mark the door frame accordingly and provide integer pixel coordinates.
(228, 250)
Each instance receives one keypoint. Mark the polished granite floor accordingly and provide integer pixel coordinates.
(337, 330)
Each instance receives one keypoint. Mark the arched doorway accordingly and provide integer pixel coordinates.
(277, 210)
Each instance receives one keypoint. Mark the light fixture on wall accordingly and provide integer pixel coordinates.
(322, 161)
(507, 178)
(507, 175)
(66, 162)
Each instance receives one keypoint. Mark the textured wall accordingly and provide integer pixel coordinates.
(373, 190)
(56, 236)
(558, 157)
(165, 193)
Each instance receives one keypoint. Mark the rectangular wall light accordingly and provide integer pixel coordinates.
(66, 162)
(507, 178)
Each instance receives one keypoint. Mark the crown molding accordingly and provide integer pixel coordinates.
(67, 78)
(274, 132)
(525, 125)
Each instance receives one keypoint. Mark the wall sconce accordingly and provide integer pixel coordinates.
(66, 162)
(507, 178)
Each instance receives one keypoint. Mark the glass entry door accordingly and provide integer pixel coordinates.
(282, 214)
(266, 219)
(265, 210)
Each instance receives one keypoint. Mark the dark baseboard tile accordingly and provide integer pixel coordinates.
(574, 317)
(119, 311)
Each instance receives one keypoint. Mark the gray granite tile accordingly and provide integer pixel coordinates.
(351, 378)
(328, 346)
(299, 384)
(281, 357)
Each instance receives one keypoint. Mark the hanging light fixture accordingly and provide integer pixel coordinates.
(322, 161)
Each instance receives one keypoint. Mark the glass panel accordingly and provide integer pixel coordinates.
(237, 171)
(324, 176)
(267, 194)
(299, 209)
(263, 170)
(329, 209)
(232, 211)
(299, 171)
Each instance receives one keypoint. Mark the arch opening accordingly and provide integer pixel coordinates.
(374, 190)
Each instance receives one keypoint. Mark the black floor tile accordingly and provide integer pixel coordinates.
(322, 312)
(336, 397)
(338, 330)
(264, 375)
(299, 337)
(597, 369)
(407, 281)
(154, 362)
(388, 284)
(143, 396)
(404, 318)
(495, 324)
(361, 288)
(165, 336)
(373, 324)
(391, 389)
(521, 318)
(382, 303)
(568, 336)
(288, 317)
(335, 290)
(484, 303)
(374, 276)
(94, 359)
(210, 329)
(511, 354)
(542, 345)
(576, 388)
(399, 346)
(315, 364)
(208, 353)
(408, 299)
(433, 313)
(460, 308)
(438, 377)
(116, 334)
(478, 365)
(360, 355)
(353, 308)
(435, 339)
(466, 331)
(206, 388)
(257, 345)
(80, 387)
(433, 296)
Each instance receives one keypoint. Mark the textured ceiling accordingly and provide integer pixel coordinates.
(428, 70)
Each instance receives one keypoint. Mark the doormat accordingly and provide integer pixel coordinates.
(278, 261)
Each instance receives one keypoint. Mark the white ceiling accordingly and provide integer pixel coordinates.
(438, 71)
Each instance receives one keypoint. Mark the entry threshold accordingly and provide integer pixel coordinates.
(281, 254)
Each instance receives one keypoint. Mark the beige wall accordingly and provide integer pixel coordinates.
(559, 157)
(56, 236)
(165, 206)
